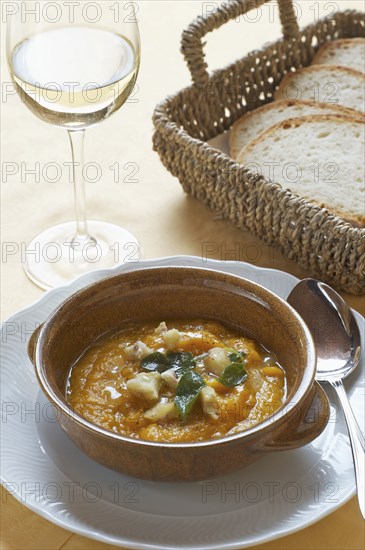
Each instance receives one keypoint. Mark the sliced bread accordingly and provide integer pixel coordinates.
(255, 122)
(318, 157)
(325, 84)
(348, 52)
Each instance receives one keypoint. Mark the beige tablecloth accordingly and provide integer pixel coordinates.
(153, 206)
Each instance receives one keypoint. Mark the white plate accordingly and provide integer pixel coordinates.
(277, 495)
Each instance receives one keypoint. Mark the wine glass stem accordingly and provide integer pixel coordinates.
(77, 147)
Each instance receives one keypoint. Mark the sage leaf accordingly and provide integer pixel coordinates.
(155, 362)
(237, 356)
(187, 392)
(181, 361)
(233, 375)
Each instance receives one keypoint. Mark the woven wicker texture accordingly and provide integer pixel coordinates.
(330, 248)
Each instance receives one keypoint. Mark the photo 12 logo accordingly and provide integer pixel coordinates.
(90, 492)
(269, 12)
(53, 252)
(253, 492)
(70, 11)
(55, 172)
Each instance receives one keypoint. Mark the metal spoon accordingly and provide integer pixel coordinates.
(337, 340)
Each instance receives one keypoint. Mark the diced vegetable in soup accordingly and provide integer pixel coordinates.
(182, 381)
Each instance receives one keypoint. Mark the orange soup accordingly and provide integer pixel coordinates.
(181, 381)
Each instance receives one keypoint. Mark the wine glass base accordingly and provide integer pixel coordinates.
(56, 256)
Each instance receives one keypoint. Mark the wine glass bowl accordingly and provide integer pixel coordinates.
(73, 73)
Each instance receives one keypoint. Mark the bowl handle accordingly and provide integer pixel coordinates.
(305, 428)
(33, 343)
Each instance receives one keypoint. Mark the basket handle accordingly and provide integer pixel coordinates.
(191, 42)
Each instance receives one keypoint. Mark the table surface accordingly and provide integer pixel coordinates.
(153, 206)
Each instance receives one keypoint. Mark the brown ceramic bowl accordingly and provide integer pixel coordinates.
(175, 293)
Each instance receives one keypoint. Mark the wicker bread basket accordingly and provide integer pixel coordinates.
(313, 237)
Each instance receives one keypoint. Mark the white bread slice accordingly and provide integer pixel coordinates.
(251, 124)
(318, 157)
(325, 84)
(348, 52)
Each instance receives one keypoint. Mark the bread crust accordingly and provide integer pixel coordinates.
(335, 45)
(287, 103)
(316, 70)
(357, 221)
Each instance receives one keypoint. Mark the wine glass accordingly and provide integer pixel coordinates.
(74, 64)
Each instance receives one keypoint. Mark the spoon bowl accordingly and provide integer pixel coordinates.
(338, 347)
(333, 327)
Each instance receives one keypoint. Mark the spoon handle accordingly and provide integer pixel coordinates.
(357, 443)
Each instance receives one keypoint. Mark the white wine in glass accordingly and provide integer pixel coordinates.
(73, 74)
